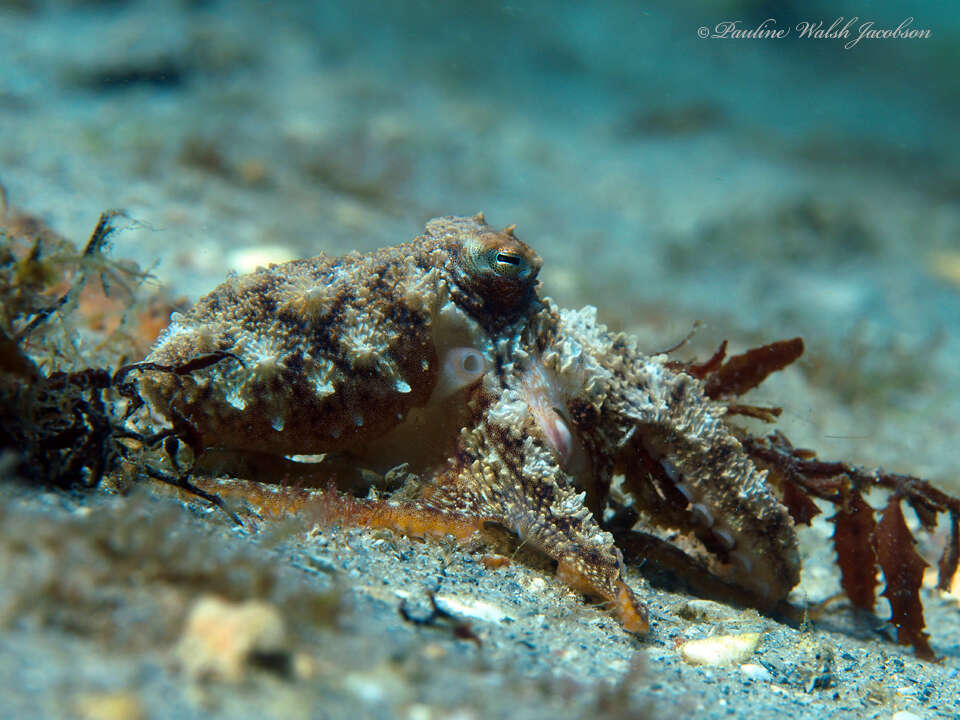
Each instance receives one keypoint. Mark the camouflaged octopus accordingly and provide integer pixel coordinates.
(438, 356)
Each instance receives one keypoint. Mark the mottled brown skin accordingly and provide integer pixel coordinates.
(335, 351)
(344, 356)
(627, 413)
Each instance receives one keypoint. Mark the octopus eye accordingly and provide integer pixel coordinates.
(508, 263)
(496, 271)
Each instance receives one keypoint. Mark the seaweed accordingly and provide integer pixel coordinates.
(903, 569)
(854, 527)
(728, 377)
(863, 544)
(63, 410)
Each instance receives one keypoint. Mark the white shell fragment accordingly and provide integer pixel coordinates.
(906, 715)
(473, 608)
(756, 672)
(720, 649)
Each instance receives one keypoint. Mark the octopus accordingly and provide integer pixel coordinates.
(434, 377)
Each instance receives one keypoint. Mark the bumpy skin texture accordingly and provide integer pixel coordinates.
(335, 351)
(439, 354)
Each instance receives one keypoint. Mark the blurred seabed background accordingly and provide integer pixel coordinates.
(766, 187)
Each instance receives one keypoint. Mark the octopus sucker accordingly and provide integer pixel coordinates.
(460, 368)
(440, 357)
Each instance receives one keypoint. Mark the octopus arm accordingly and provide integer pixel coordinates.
(682, 461)
(525, 490)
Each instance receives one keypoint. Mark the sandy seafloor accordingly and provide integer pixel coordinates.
(766, 188)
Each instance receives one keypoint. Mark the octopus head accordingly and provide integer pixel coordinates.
(496, 272)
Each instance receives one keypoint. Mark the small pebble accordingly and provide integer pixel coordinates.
(756, 672)
(471, 608)
(109, 706)
(494, 562)
(365, 687)
(537, 585)
(434, 651)
(905, 715)
(253, 172)
(418, 711)
(946, 266)
(720, 649)
(304, 666)
(705, 611)
(220, 637)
